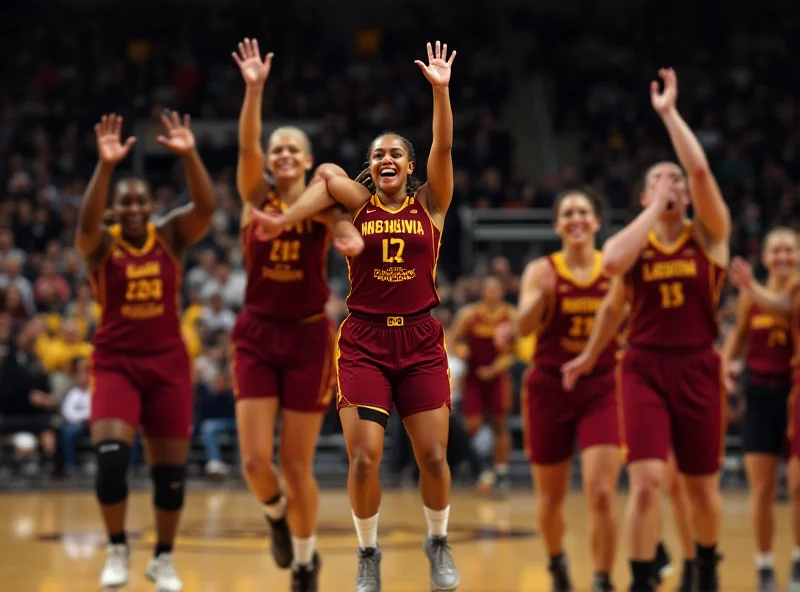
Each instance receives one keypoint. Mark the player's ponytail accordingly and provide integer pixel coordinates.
(365, 178)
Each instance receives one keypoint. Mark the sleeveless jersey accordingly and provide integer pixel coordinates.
(395, 274)
(769, 345)
(139, 292)
(569, 316)
(480, 335)
(287, 277)
(673, 294)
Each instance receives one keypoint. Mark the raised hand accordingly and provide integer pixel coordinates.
(349, 245)
(179, 138)
(741, 273)
(110, 149)
(439, 66)
(254, 71)
(270, 224)
(664, 100)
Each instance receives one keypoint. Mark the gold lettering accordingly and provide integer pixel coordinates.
(777, 338)
(149, 269)
(664, 270)
(394, 274)
(139, 290)
(392, 227)
(580, 305)
(671, 294)
(766, 321)
(581, 327)
(284, 250)
(282, 275)
(144, 311)
(398, 256)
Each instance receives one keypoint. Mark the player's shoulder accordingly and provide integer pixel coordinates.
(536, 266)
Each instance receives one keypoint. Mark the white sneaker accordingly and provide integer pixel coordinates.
(161, 570)
(216, 468)
(115, 571)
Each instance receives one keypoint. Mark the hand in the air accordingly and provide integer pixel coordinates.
(741, 273)
(665, 100)
(439, 66)
(179, 138)
(110, 149)
(254, 71)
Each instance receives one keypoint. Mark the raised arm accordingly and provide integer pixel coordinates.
(741, 276)
(621, 250)
(537, 287)
(192, 221)
(91, 237)
(250, 165)
(605, 328)
(439, 186)
(711, 211)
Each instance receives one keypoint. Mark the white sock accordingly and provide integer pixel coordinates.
(437, 521)
(796, 554)
(276, 510)
(304, 549)
(367, 531)
(765, 560)
(501, 470)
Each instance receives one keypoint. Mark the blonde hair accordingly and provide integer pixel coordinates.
(779, 230)
(292, 130)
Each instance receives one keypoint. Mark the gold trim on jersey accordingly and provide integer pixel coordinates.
(328, 369)
(676, 246)
(623, 441)
(376, 201)
(337, 355)
(524, 410)
(560, 263)
(152, 234)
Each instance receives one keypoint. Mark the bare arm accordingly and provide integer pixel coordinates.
(536, 286)
(621, 250)
(91, 237)
(735, 341)
(440, 161)
(250, 165)
(710, 208)
(346, 237)
(607, 320)
(741, 276)
(458, 332)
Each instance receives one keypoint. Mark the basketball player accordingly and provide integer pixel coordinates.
(140, 366)
(283, 340)
(764, 330)
(559, 296)
(673, 270)
(486, 391)
(390, 348)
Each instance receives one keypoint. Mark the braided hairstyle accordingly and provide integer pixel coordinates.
(365, 176)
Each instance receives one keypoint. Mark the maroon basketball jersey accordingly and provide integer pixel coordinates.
(139, 291)
(395, 274)
(287, 277)
(673, 293)
(769, 345)
(569, 316)
(481, 333)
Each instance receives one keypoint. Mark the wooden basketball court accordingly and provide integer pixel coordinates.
(53, 542)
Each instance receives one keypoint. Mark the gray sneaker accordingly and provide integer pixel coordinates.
(794, 577)
(369, 570)
(766, 580)
(444, 575)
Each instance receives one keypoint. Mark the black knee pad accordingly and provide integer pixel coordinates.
(368, 414)
(111, 481)
(168, 486)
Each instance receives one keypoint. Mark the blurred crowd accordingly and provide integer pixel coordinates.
(137, 64)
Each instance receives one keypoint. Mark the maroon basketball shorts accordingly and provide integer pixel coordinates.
(486, 397)
(554, 419)
(289, 360)
(673, 400)
(794, 414)
(151, 390)
(393, 360)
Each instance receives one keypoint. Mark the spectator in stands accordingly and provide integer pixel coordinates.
(229, 284)
(216, 317)
(75, 411)
(216, 417)
(13, 277)
(49, 284)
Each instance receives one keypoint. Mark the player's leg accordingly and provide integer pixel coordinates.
(698, 444)
(499, 409)
(646, 430)
(601, 458)
(675, 486)
(364, 402)
(307, 388)
(116, 408)
(794, 483)
(473, 410)
(549, 433)
(257, 404)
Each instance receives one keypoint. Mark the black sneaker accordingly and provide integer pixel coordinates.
(305, 577)
(601, 584)
(688, 577)
(707, 576)
(766, 580)
(662, 564)
(794, 578)
(281, 542)
(559, 574)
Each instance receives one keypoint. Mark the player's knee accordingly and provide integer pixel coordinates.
(473, 423)
(111, 480)
(703, 493)
(296, 471)
(256, 464)
(168, 486)
(434, 461)
(763, 492)
(645, 491)
(600, 496)
(549, 503)
(500, 424)
(364, 463)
